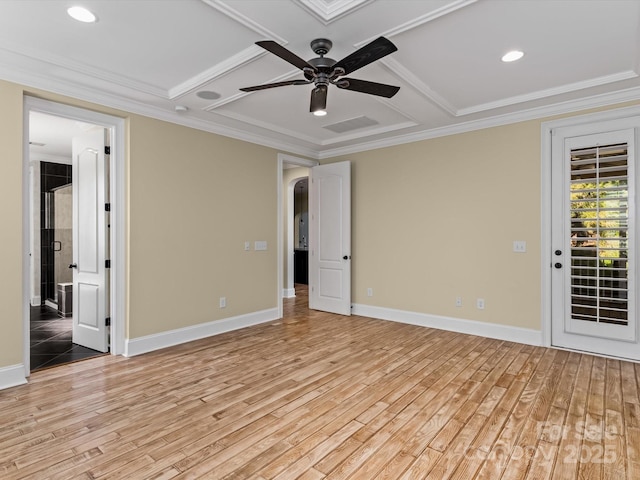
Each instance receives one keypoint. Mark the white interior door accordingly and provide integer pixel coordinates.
(89, 241)
(594, 243)
(330, 238)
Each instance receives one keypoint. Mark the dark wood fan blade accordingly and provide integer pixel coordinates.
(277, 84)
(372, 88)
(285, 54)
(381, 47)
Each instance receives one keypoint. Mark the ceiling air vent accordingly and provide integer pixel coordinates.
(351, 124)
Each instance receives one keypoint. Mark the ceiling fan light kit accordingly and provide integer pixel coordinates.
(319, 101)
(324, 71)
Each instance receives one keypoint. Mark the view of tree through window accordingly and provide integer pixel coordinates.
(599, 234)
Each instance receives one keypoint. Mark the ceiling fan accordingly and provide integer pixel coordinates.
(322, 71)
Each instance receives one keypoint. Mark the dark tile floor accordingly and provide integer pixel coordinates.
(51, 340)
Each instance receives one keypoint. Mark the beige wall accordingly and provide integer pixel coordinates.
(11, 221)
(436, 219)
(193, 199)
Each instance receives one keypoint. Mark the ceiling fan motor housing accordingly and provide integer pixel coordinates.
(321, 46)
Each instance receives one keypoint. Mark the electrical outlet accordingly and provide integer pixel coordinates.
(480, 303)
(369, 292)
(223, 302)
(247, 246)
(458, 301)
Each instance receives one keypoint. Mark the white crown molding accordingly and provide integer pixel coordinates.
(330, 11)
(245, 21)
(313, 149)
(12, 376)
(268, 126)
(297, 161)
(571, 87)
(232, 98)
(342, 138)
(405, 75)
(150, 343)
(601, 100)
(128, 105)
(389, 104)
(232, 63)
(76, 68)
(421, 20)
(368, 132)
(470, 327)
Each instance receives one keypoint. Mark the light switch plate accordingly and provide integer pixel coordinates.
(260, 245)
(519, 246)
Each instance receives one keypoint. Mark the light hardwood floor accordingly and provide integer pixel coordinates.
(323, 396)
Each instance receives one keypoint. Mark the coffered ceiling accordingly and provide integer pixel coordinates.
(155, 57)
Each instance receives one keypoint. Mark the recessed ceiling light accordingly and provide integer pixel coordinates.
(512, 56)
(320, 113)
(81, 14)
(208, 95)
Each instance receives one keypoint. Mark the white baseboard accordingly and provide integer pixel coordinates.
(472, 327)
(50, 304)
(288, 292)
(12, 376)
(149, 343)
(36, 301)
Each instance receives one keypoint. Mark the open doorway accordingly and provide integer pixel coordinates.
(93, 176)
(54, 183)
(291, 170)
(301, 233)
(329, 221)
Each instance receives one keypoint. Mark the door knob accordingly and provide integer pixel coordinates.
(73, 265)
(558, 265)
(346, 257)
(558, 252)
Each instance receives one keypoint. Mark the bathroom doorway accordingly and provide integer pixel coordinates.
(51, 176)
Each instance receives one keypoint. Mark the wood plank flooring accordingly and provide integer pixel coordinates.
(320, 396)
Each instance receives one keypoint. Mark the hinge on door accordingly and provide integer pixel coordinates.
(107, 264)
(107, 207)
(107, 321)
(107, 150)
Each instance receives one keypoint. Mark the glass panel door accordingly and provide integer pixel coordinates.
(594, 238)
